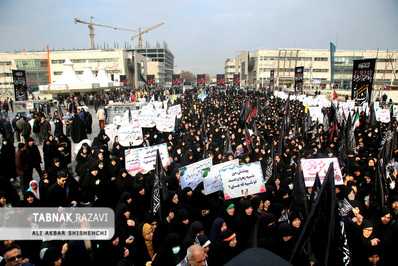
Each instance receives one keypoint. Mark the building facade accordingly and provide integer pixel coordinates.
(322, 69)
(128, 65)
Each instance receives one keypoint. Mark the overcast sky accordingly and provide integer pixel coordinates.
(202, 34)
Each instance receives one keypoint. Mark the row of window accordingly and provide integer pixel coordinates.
(293, 58)
(92, 60)
(95, 72)
(5, 63)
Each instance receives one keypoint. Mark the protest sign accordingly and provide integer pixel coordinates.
(243, 180)
(311, 167)
(316, 114)
(147, 118)
(212, 177)
(132, 160)
(191, 175)
(147, 156)
(144, 159)
(130, 135)
(383, 115)
(175, 110)
(165, 122)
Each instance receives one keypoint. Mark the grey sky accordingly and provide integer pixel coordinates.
(202, 34)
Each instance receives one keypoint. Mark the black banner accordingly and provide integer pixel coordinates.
(175, 80)
(221, 81)
(201, 81)
(150, 80)
(362, 80)
(123, 79)
(271, 78)
(19, 77)
(298, 79)
(236, 81)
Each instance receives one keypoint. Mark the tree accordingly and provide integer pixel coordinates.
(187, 76)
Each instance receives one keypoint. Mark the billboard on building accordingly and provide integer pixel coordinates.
(362, 80)
(201, 81)
(150, 79)
(221, 81)
(19, 80)
(298, 79)
(236, 81)
(175, 80)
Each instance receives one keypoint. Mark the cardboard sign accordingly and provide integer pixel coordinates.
(130, 117)
(191, 175)
(242, 180)
(313, 166)
(130, 135)
(212, 177)
(165, 122)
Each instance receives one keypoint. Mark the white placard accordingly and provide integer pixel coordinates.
(165, 123)
(316, 114)
(132, 160)
(191, 175)
(212, 177)
(144, 159)
(243, 180)
(383, 115)
(147, 156)
(313, 166)
(175, 110)
(147, 118)
(130, 135)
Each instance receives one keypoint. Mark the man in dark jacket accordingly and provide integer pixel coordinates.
(23, 168)
(34, 155)
(25, 129)
(62, 193)
(8, 130)
(45, 129)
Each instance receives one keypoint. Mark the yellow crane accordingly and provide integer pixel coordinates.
(90, 26)
(145, 31)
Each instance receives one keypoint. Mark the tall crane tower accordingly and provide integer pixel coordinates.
(145, 31)
(90, 26)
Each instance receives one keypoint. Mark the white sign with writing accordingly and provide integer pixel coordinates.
(242, 180)
(130, 135)
(132, 160)
(147, 156)
(147, 118)
(383, 115)
(212, 177)
(316, 114)
(311, 167)
(175, 110)
(191, 175)
(144, 159)
(164, 122)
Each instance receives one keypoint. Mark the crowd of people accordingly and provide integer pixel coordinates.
(193, 228)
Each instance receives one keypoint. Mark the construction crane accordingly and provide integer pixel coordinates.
(145, 31)
(90, 26)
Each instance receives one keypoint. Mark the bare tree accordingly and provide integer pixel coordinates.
(187, 76)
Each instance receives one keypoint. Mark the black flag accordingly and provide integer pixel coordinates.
(323, 232)
(377, 193)
(300, 201)
(159, 189)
